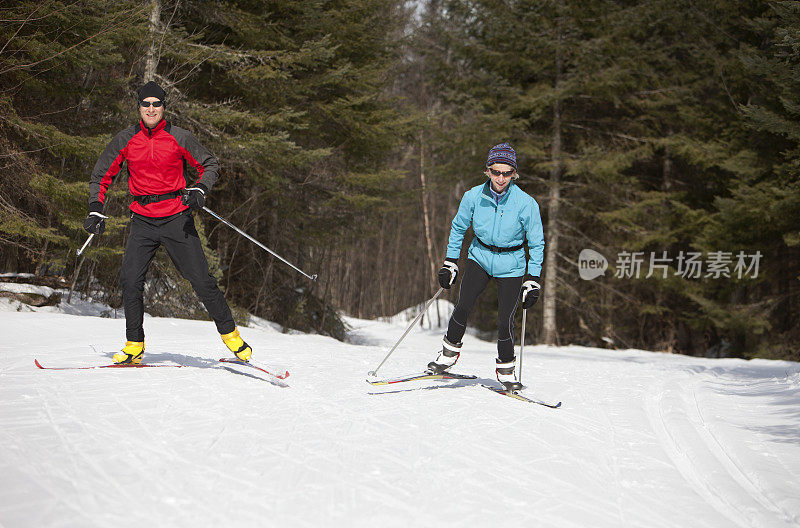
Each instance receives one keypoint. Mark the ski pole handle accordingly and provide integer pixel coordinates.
(373, 373)
(259, 244)
(78, 252)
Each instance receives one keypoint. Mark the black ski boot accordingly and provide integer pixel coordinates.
(447, 357)
(507, 376)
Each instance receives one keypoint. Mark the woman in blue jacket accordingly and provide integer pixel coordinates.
(502, 216)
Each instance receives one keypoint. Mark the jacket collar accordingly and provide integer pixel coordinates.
(148, 131)
(487, 192)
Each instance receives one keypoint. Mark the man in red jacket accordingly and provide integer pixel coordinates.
(156, 153)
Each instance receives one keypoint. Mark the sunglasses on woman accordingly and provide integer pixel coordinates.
(505, 174)
(145, 104)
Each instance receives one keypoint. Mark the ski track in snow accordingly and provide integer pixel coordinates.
(708, 464)
(643, 439)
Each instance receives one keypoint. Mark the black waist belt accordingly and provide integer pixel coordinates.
(495, 249)
(153, 198)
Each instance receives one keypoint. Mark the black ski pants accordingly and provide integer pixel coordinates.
(179, 236)
(473, 283)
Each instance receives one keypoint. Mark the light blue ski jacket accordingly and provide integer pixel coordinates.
(503, 224)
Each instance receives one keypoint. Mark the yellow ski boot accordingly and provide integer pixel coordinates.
(131, 354)
(236, 344)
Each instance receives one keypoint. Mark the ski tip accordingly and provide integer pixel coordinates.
(37, 363)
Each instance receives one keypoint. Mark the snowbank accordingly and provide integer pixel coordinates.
(77, 306)
(436, 316)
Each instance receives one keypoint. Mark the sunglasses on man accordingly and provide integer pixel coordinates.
(156, 104)
(505, 174)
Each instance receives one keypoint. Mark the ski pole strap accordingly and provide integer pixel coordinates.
(153, 198)
(495, 249)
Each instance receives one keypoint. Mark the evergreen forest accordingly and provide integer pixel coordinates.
(660, 136)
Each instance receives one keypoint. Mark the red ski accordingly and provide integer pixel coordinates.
(253, 365)
(423, 376)
(113, 365)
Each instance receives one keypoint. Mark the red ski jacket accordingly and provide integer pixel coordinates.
(156, 161)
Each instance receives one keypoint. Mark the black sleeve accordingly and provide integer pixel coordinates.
(197, 156)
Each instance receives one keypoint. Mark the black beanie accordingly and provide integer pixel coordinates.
(151, 89)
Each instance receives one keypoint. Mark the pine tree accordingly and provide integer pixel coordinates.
(559, 80)
(291, 96)
(762, 211)
(63, 70)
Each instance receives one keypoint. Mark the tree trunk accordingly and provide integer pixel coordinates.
(384, 278)
(75, 278)
(151, 60)
(549, 324)
(426, 210)
(425, 199)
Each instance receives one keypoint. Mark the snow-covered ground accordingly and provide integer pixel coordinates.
(437, 315)
(642, 440)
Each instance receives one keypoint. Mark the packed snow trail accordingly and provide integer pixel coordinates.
(642, 440)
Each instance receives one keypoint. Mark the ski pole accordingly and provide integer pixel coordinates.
(85, 244)
(522, 343)
(373, 373)
(259, 244)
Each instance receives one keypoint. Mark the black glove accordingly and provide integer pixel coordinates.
(95, 223)
(195, 197)
(529, 293)
(448, 273)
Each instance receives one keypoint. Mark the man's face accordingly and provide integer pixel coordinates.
(151, 115)
(501, 175)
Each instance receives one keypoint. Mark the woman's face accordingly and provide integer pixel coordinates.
(501, 175)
